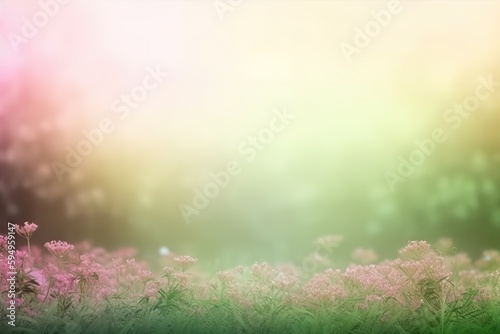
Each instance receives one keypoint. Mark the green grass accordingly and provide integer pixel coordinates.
(178, 312)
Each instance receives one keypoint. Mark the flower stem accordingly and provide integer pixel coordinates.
(29, 253)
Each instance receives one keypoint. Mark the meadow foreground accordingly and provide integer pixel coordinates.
(79, 289)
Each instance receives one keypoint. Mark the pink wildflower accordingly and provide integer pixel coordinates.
(333, 273)
(22, 258)
(415, 250)
(168, 270)
(181, 278)
(59, 248)
(320, 288)
(263, 271)
(145, 275)
(285, 281)
(226, 276)
(240, 269)
(151, 290)
(27, 230)
(38, 276)
(185, 261)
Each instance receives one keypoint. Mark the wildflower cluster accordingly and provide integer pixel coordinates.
(423, 291)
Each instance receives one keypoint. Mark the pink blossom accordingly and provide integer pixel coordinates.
(181, 278)
(415, 250)
(226, 276)
(151, 290)
(22, 258)
(27, 230)
(263, 271)
(285, 282)
(168, 270)
(89, 273)
(145, 275)
(59, 248)
(321, 288)
(185, 261)
(38, 276)
(104, 291)
(240, 269)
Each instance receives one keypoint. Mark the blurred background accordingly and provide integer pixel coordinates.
(229, 68)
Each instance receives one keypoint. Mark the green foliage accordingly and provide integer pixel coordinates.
(172, 313)
(168, 299)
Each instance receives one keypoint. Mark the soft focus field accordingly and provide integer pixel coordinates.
(263, 161)
(74, 289)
